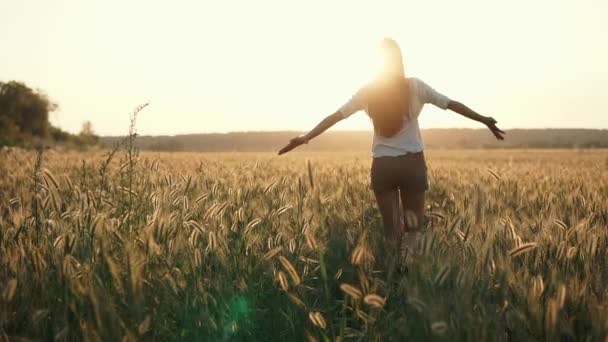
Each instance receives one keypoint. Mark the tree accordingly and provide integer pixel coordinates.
(24, 119)
(23, 112)
(87, 135)
(87, 129)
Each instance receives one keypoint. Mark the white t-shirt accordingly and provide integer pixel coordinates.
(408, 139)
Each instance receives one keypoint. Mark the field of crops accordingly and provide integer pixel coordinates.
(221, 247)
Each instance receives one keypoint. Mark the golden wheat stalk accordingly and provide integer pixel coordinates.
(283, 280)
(317, 319)
(252, 225)
(10, 290)
(494, 174)
(551, 315)
(523, 248)
(296, 299)
(290, 269)
(310, 240)
(374, 300)
(439, 328)
(271, 253)
(310, 337)
(357, 255)
(561, 296)
(352, 291)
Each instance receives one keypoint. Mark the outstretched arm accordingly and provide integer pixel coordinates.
(471, 114)
(324, 125)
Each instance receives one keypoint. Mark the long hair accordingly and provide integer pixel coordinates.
(388, 95)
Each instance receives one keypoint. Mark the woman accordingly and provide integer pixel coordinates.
(398, 174)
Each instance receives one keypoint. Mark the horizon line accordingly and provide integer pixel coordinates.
(357, 131)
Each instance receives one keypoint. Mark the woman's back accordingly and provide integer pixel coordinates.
(406, 137)
(387, 104)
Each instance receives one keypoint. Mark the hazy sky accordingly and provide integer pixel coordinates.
(217, 66)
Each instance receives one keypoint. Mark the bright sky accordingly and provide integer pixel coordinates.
(218, 66)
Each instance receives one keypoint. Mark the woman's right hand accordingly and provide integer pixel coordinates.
(293, 143)
(491, 123)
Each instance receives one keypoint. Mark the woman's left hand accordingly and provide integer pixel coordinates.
(293, 143)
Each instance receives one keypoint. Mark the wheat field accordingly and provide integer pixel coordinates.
(115, 245)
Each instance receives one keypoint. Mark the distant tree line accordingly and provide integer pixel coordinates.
(361, 141)
(24, 119)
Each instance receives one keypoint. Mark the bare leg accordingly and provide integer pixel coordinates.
(388, 204)
(413, 215)
(413, 210)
